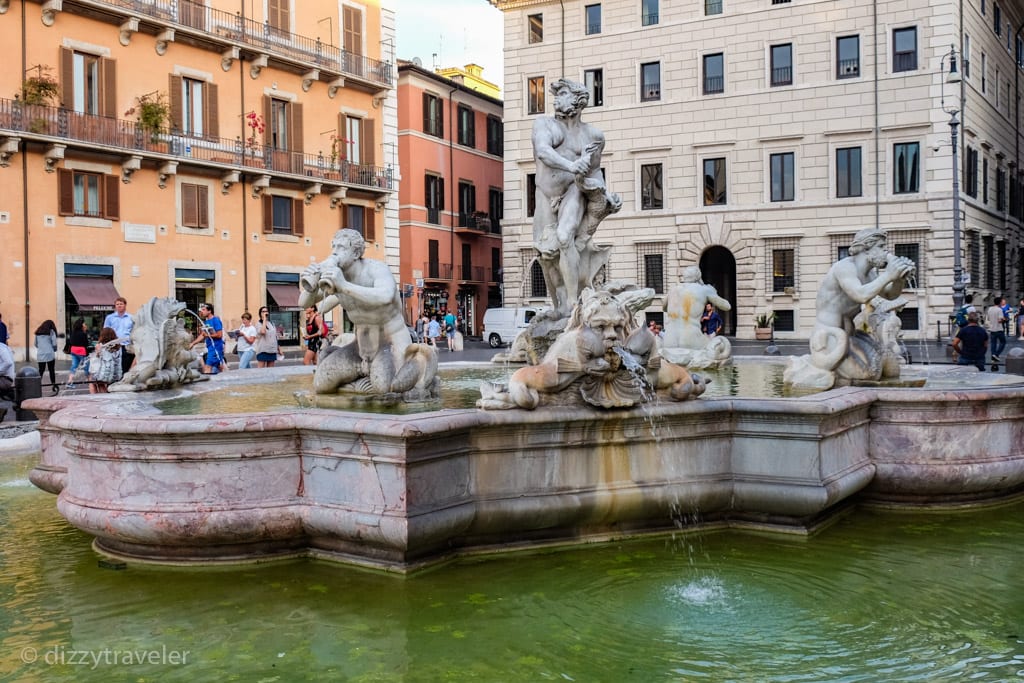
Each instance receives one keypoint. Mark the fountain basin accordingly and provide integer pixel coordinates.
(402, 491)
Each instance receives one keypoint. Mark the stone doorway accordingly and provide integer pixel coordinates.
(718, 268)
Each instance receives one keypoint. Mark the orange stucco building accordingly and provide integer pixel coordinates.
(191, 149)
(450, 151)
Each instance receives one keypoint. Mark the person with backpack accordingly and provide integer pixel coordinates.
(971, 342)
(994, 324)
(960, 315)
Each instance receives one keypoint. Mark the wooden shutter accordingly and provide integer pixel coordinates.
(353, 35)
(295, 126)
(440, 191)
(298, 218)
(268, 213)
(109, 92)
(189, 205)
(111, 197)
(67, 77)
(369, 146)
(212, 111)
(277, 14)
(426, 113)
(203, 206)
(177, 114)
(369, 224)
(65, 192)
(268, 124)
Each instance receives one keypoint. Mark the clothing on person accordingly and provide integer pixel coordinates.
(973, 342)
(3, 332)
(245, 349)
(266, 342)
(712, 324)
(122, 323)
(214, 345)
(449, 324)
(6, 367)
(79, 349)
(433, 330)
(994, 324)
(46, 354)
(313, 328)
(105, 366)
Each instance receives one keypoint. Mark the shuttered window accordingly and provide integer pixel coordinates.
(88, 83)
(361, 219)
(283, 216)
(195, 209)
(193, 107)
(433, 115)
(81, 193)
(279, 15)
(353, 35)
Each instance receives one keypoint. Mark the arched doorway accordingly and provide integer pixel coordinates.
(718, 269)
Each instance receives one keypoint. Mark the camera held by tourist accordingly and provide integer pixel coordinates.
(245, 345)
(266, 340)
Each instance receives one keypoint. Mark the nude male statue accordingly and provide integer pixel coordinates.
(868, 271)
(571, 196)
(382, 359)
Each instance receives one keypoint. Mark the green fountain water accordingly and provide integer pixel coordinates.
(878, 596)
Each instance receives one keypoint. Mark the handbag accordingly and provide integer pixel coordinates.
(67, 346)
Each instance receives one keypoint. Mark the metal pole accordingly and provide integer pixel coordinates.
(958, 284)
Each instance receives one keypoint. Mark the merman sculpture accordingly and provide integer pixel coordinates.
(684, 341)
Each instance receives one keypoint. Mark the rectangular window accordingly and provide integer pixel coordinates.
(984, 181)
(912, 251)
(279, 124)
(714, 74)
(997, 19)
(467, 126)
(848, 172)
(971, 172)
(495, 136)
(848, 57)
(1000, 190)
(594, 80)
(353, 143)
(433, 259)
(1001, 264)
(909, 318)
(650, 187)
(651, 265)
(531, 193)
(966, 57)
(783, 269)
(538, 287)
(352, 29)
(467, 202)
(354, 218)
(81, 193)
(906, 166)
(192, 107)
(282, 215)
(904, 49)
(782, 64)
(714, 181)
(784, 321)
(87, 84)
(650, 81)
(974, 255)
(433, 115)
(592, 14)
(712, 7)
(434, 188)
(535, 24)
(278, 16)
(990, 255)
(496, 209)
(782, 176)
(195, 205)
(648, 12)
(535, 86)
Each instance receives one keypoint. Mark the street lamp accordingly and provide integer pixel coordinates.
(953, 77)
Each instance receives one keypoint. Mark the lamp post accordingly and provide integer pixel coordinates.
(953, 77)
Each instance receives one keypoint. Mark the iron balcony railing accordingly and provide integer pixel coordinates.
(235, 27)
(714, 84)
(904, 61)
(435, 270)
(848, 68)
(471, 273)
(782, 75)
(127, 136)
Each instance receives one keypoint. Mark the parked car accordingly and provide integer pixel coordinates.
(502, 325)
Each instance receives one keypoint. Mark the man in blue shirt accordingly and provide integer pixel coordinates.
(971, 342)
(213, 333)
(122, 323)
(449, 328)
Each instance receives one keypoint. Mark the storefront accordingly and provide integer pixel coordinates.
(283, 302)
(89, 294)
(194, 286)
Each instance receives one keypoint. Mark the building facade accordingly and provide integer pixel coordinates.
(451, 200)
(201, 150)
(756, 137)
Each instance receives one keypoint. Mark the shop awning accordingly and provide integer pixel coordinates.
(92, 293)
(286, 296)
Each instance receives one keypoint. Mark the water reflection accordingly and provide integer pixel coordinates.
(877, 596)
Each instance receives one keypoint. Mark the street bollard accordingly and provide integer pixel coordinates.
(1015, 362)
(27, 384)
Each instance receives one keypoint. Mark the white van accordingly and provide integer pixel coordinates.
(501, 325)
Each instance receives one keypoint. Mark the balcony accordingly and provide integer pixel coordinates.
(477, 223)
(57, 125)
(435, 270)
(468, 273)
(214, 29)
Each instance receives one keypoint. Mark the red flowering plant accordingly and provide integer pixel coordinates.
(257, 126)
(338, 148)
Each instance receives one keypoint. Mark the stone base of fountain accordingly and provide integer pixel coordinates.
(399, 492)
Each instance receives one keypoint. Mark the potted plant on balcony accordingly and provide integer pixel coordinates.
(151, 113)
(763, 326)
(37, 92)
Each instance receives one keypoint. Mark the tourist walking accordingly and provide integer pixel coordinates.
(78, 347)
(449, 329)
(1020, 320)
(105, 365)
(266, 340)
(970, 343)
(433, 330)
(245, 345)
(122, 323)
(212, 332)
(313, 335)
(46, 351)
(994, 320)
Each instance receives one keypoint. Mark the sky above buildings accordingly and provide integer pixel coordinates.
(458, 32)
